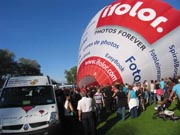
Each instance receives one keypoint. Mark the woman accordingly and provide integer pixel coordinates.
(159, 92)
(68, 114)
(132, 102)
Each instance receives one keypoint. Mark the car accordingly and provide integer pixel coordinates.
(28, 105)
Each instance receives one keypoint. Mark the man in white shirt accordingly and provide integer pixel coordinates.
(85, 114)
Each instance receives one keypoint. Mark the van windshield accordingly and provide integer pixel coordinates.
(27, 96)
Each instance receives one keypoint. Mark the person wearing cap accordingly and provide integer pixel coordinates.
(85, 113)
(176, 90)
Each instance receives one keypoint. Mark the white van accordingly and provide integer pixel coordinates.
(28, 105)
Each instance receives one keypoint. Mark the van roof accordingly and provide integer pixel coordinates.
(27, 81)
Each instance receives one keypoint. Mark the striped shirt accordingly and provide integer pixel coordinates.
(98, 97)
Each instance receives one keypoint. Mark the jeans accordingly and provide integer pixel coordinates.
(122, 111)
(98, 108)
(151, 99)
(158, 97)
(134, 112)
(146, 96)
(155, 99)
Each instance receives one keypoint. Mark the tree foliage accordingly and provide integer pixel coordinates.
(28, 67)
(24, 66)
(71, 75)
(7, 63)
(10, 67)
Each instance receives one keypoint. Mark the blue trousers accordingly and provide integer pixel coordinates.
(134, 112)
(122, 111)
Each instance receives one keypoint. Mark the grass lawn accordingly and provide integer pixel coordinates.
(143, 125)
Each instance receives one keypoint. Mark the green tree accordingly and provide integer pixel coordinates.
(28, 67)
(7, 63)
(71, 75)
(10, 67)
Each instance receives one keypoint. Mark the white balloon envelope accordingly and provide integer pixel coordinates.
(130, 41)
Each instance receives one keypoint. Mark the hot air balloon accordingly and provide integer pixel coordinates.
(130, 41)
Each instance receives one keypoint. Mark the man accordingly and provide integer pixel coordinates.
(85, 113)
(176, 90)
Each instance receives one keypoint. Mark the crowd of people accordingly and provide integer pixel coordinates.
(87, 105)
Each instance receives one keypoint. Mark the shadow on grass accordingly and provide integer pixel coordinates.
(110, 123)
(177, 107)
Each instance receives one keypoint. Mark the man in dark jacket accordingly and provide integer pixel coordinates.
(122, 103)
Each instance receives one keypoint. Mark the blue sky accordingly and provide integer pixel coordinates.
(48, 31)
